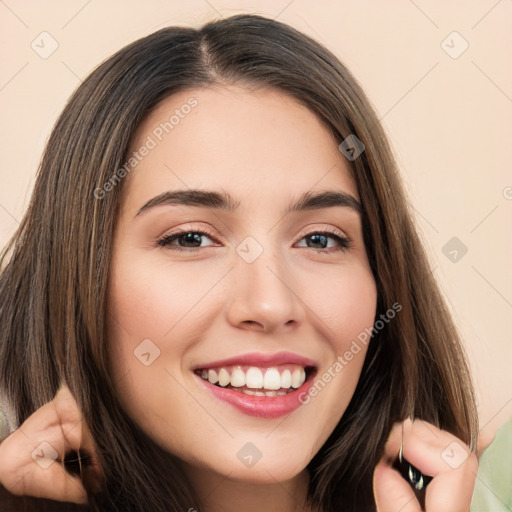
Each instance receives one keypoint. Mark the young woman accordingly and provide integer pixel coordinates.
(217, 298)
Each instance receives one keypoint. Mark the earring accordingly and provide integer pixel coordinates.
(416, 479)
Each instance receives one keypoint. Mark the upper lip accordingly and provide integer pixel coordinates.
(259, 359)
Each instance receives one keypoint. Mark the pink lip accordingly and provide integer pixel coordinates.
(261, 360)
(262, 406)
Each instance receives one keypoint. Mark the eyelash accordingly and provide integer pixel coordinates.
(344, 243)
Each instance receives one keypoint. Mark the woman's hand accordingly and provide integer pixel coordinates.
(31, 458)
(434, 452)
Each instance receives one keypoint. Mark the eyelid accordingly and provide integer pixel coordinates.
(325, 229)
(188, 226)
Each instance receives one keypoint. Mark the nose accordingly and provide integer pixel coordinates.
(266, 296)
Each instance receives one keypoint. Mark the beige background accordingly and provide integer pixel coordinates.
(449, 121)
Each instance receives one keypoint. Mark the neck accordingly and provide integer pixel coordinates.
(219, 493)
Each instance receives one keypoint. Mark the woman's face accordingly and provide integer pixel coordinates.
(264, 281)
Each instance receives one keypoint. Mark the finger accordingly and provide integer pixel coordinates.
(37, 472)
(69, 417)
(52, 482)
(79, 437)
(452, 490)
(393, 443)
(44, 436)
(392, 493)
(440, 454)
(38, 448)
(432, 450)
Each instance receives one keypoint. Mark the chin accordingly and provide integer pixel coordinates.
(267, 470)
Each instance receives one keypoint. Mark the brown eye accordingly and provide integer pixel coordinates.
(186, 240)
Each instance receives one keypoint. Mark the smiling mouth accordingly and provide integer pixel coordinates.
(257, 381)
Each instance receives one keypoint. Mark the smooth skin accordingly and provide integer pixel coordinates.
(204, 303)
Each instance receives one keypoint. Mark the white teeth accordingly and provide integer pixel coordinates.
(224, 378)
(212, 376)
(298, 377)
(286, 379)
(265, 393)
(237, 378)
(254, 378)
(271, 380)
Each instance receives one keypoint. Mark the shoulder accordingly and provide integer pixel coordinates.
(11, 503)
(492, 488)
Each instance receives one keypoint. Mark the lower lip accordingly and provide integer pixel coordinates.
(261, 406)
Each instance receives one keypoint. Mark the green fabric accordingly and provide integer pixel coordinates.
(493, 488)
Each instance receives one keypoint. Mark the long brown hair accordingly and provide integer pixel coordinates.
(53, 289)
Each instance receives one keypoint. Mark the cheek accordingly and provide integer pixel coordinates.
(144, 301)
(154, 300)
(147, 337)
(348, 311)
(155, 315)
(143, 307)
(347, 305)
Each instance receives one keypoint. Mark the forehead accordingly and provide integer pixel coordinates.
(260, 144)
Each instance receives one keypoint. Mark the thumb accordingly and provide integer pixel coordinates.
(33, 458)
(391, 491)
(81, 453)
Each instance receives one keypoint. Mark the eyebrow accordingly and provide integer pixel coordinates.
(224, 201)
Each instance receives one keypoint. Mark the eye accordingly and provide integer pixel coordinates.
(342, 243)
(190, 240)
(186, 237)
